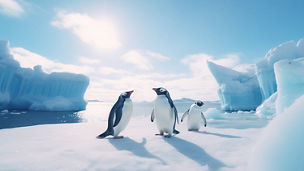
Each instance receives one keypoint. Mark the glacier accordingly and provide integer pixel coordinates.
(237, 90)
(265, 68)
(33, 89)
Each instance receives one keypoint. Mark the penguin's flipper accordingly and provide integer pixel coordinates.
(204, 119)
(176, 115)
(118, 110)
(118, 115)
(185, 114)
(174, 112)
(152, 116)
(176, 120)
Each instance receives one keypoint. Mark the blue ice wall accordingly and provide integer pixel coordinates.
(237, 91)
(264, 68)
(32, 89)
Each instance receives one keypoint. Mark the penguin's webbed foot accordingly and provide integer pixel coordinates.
(160, 134)
(118, 137)
(100, 137)
(176, 132)
(168, 136)
(192, 129)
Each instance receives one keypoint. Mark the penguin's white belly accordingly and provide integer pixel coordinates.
(164, 116)
(125, 118)
(194, 119)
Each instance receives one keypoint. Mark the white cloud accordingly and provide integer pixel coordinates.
(11, 7)
(89, 61)
(112, 71)
(201, 84)
(143, 59)
(28, 59)
(157, 55)
(230, 60)
(198, 63)
(247, 68)
(99, 33)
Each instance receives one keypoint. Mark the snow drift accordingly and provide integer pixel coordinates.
(237, 91)
(265, 68)
(268, 108)
(281, 147)
(32, 89)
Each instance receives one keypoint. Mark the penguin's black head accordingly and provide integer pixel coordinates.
(126, 94)
(199, 103)
(160, 91)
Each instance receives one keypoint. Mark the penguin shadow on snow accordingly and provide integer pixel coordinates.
(136, 148)
(216, 134)
(195, 153)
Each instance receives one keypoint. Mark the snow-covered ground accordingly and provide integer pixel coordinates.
(225, 144)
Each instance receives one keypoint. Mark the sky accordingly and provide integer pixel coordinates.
(138, 44)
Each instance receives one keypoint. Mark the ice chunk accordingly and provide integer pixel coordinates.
(237, 90)
(264, 68)
(290, 81)
(281, 146)
(268, 108)
(25, 88)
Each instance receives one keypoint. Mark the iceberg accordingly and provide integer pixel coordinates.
(265, 68)
(237, 90)
(290, 82)
(33, 89)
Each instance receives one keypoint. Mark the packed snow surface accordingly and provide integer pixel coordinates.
(33, 89)
(237, 91)
(265, 68)
(223, 145)
(281, 146)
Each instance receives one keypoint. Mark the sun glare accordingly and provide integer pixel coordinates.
(105, 35)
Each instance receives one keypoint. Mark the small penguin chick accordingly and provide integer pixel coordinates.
(195, 115)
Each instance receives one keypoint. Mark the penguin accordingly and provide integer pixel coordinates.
(119, 116)
(195, 115)
(164, 112)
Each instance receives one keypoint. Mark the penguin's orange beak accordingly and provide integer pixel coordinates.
(154, 89)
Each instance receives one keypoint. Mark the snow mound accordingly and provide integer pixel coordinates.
(237, 90)
(32, 89)
(265, 69)
(213, 113)
(281, 146)
(267, 108)
(290, 81)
